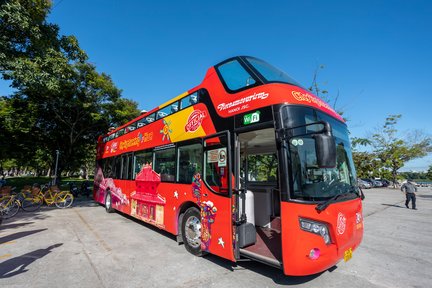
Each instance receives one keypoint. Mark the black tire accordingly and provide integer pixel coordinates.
(10, 210)
(31, 204)
(108, 203)
(191, 231)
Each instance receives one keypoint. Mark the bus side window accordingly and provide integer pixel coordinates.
(189, 162)
(131, 127)
(174, 107)
(109, 168)
(235, 76)
(118, 167)
(213, 177)
(216, 173)
(127, 166)
(163, 112)
(142, 158)
(165, 164)
(189, 100)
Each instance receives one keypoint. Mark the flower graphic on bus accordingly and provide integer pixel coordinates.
(208, 212)
(208, 215)
(166, 130)
(196, 187)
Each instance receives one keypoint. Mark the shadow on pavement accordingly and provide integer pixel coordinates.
(425, 196)
(24, 216)
(148, 226)
(393, 205)
(270, 272)
(18, 235)
(10, 226)
(40, 215)
(84, 202)
(18, 265)
(273, 273)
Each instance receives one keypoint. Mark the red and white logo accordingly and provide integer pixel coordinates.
(341, 223)
(194, 121)
(114, 147)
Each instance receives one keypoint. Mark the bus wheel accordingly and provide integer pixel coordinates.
(108, 203)
(191, 231)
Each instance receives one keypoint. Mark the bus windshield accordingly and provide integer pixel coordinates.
(309, 181)
(269, 72)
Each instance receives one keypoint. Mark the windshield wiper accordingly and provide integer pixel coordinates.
(321, 207)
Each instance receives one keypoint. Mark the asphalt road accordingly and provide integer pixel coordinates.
(86, 247)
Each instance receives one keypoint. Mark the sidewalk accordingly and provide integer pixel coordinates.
(86, 247)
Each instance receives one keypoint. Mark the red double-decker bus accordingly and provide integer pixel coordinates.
(248, 164)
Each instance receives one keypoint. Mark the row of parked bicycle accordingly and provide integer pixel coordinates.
(366, 183)
(31, 198)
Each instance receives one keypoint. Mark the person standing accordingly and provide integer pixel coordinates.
(409, 188)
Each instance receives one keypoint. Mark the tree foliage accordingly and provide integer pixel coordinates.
(429, 173)
(61, 102)
(389, 151)
(417, 176)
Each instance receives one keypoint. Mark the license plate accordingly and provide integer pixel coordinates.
(348, 255)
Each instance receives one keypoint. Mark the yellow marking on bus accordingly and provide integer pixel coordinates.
(178, 123)
(174, 100)
(5, 256)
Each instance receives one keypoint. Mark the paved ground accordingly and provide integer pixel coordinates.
(86, 247)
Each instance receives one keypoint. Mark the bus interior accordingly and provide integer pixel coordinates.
(259, 179)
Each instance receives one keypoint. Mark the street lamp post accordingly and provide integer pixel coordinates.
(56, 165)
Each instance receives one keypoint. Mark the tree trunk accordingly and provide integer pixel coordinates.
(394, 175)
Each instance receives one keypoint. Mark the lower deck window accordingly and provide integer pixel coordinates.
(165, 164)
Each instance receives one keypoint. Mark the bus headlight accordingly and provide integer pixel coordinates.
(316, 228)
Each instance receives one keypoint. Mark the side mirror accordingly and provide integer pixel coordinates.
(325, 147)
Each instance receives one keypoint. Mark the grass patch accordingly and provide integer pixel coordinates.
(20, 182)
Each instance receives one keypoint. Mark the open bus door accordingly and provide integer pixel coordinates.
(215, 200)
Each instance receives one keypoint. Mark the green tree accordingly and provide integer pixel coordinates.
(393, 151)
(62, 102)
(367, 163)
(429, 173)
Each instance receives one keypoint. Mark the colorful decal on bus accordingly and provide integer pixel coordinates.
(208, 212)
(196, 187)
(208, 215)
(235, 105)
(194, 120)
(114, 147)
(166, 130)
(191, 122)
(147, 204)
(306, 97)
(118, 198)
(341, 223)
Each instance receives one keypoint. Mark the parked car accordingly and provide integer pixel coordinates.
(377, 183)
(385, 182)
(363, 184)
(370, 181)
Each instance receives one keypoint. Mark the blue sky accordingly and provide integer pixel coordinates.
(377, 54)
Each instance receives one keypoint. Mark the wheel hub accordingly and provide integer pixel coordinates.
(108, 201)
(193, 231)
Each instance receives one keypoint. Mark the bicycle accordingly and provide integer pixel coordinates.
(30, 199)
(52, 195)
(9, 204)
